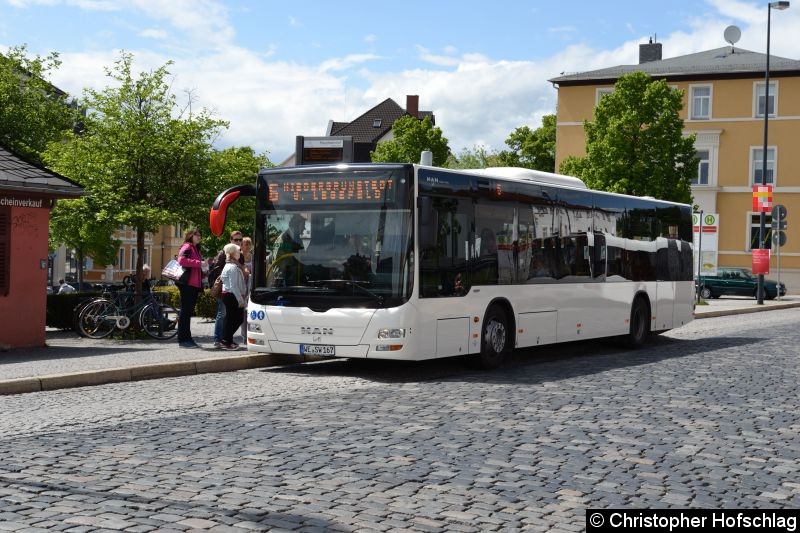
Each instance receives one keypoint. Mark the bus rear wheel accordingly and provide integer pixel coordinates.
(640, 323)
(495, 339)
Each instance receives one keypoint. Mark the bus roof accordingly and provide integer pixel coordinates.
(529, 175)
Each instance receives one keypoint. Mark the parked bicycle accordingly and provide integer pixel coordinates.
(102, 316)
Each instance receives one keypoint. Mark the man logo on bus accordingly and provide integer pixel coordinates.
(315, 331)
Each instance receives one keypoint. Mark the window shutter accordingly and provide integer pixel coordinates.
(5, 250)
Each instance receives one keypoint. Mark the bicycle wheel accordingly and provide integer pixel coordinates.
(160, 321)
(93, 320)
(76, 314)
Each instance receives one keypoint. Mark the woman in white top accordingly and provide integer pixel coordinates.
(234, 295)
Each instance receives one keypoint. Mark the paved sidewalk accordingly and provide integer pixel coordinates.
(739, 305)
(71, 361)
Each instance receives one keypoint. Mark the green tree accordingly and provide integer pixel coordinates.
(33, 112)
(230, 167)
(142, 159)
(411, 137)
(635, 143)
(535, 149)
(85, 228)
(477, 157)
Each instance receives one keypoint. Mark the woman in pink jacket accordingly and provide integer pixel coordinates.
(190, 285)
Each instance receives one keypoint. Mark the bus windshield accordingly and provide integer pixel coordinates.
(324, 254)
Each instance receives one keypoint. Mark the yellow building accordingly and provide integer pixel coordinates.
(724, 104)
(159, 249)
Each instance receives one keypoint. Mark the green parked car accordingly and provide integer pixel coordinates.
(736, 282)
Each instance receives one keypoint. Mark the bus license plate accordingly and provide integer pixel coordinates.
(325, 350)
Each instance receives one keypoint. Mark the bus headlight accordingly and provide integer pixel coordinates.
(254, 326)
(392, 333)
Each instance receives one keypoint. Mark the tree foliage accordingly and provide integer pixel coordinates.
(476, 157)
(230, 167)
(635, 143)
(33, 112)
(142, 159)
(411, 137)
(81, 226)
(535, 149)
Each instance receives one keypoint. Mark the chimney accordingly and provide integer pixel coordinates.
(649, 52)
(412, 105)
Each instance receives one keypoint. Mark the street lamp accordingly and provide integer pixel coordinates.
(762, 218)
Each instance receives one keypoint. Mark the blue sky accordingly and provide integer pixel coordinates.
(277, 69)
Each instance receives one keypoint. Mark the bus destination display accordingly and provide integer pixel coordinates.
(331, 189)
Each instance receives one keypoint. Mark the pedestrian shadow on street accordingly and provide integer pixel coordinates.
(555, 361)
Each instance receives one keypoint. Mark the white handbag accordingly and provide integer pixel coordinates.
(172, 271)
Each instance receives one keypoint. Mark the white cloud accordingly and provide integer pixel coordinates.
(154, 33)
(442, 60)
(476, 99)
(562, 29)
(204, 22)
(344, 63)
(293, 22)
(371, 38)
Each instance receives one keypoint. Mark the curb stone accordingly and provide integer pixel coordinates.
(143, 372)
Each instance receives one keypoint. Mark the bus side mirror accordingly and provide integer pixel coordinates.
(428, 222)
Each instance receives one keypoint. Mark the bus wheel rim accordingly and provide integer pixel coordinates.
(496, 334)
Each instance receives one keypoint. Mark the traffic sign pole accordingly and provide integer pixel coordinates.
(778, 236)
(778, 286)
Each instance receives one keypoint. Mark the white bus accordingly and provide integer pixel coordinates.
(401, 261)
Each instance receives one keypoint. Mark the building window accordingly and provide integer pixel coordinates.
(760, 100)
(178, 231)
(701, 102)
(376, 123)
(703, 167)
(602, 91)
(5, 250)
(133, 258)
(757, 165)
(755, 229)
(121, 260)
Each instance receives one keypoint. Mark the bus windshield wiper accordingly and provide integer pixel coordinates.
(379, 298)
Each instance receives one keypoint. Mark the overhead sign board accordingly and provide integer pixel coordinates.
(323, 150)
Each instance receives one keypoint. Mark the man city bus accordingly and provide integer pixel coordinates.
(402, 261)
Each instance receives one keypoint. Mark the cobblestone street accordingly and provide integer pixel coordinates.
(704, 416)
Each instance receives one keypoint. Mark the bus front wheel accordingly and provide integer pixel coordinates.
(495, 339)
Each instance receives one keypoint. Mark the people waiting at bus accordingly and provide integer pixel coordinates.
(213, 273)
(234, 295)
(247, 256)
(190, 285)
